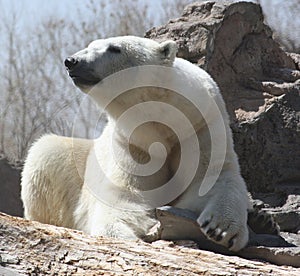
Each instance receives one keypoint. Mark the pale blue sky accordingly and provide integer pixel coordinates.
(30, 12)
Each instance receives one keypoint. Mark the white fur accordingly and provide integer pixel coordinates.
(58, 169)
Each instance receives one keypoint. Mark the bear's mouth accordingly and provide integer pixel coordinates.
(83, 81)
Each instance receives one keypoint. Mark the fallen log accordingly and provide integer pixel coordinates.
(32, 248)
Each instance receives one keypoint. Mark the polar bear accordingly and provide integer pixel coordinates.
(99, 186)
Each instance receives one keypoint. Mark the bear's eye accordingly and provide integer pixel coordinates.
(114, 49)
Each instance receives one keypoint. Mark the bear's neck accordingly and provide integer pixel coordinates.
(135, 162)
(151, 136)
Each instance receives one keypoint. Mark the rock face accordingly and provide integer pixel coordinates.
(10, 201)
(260, 84)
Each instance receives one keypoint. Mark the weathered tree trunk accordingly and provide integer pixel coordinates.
(32, 248)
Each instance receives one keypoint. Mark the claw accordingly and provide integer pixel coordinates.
(231, 241)
(215, 233)
(218, 238)
(218, 234)
(205, 223)
(211, 232)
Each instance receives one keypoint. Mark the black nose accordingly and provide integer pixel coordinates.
(70, 62)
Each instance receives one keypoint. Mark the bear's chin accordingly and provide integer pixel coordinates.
(83, 84)
(79, 81)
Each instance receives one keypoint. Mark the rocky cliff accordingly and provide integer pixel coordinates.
(260, 84)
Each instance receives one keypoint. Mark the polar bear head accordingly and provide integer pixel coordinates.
(104, 57)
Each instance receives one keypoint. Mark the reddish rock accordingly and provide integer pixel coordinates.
(259, 82)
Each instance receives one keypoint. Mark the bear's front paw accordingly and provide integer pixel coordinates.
(226, 228)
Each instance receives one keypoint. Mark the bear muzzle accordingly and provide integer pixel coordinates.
(79, 74)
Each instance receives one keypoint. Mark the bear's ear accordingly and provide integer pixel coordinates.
(168, 50)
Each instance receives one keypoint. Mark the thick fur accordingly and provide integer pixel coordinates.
(58, 169)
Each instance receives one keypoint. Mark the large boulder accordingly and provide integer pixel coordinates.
(260, 84)
(10, 199)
